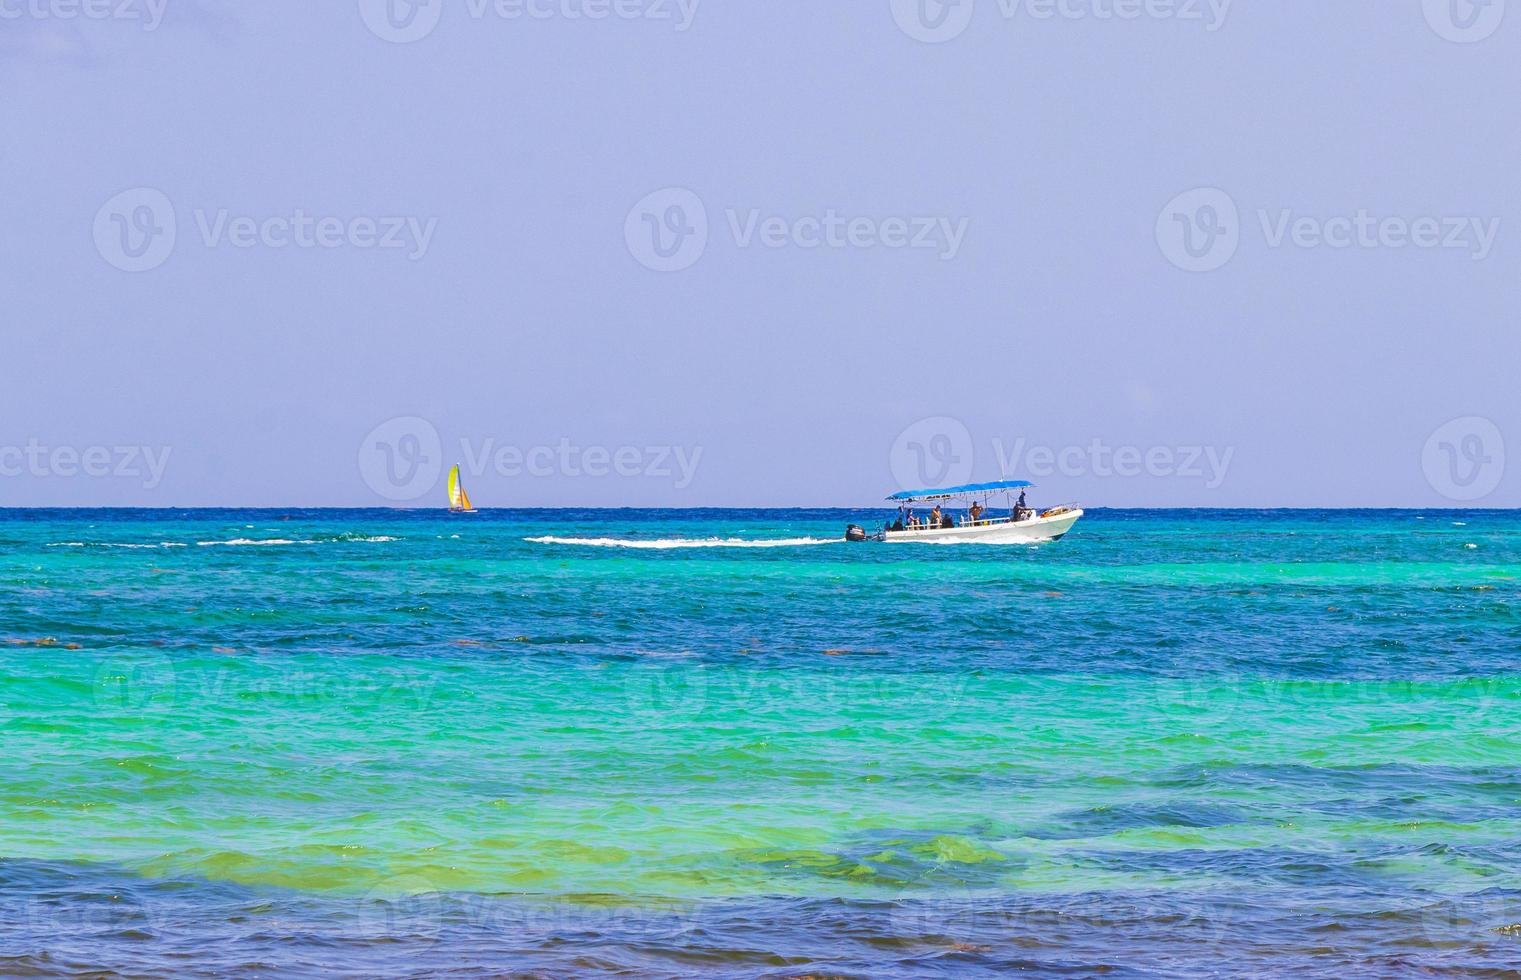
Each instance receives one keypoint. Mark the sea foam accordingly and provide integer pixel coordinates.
(662, 544)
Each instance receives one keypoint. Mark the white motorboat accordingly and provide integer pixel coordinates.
(965, 517)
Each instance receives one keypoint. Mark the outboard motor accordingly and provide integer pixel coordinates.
(855, 532)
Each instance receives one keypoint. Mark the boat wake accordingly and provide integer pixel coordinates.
(234, 543)
(663, 544)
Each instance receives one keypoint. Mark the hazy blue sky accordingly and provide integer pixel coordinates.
(1266, 250)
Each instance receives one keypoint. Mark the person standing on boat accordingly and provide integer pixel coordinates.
(1019, 507)
(935, 516)
(976, 512)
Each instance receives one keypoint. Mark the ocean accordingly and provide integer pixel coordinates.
(727, 743)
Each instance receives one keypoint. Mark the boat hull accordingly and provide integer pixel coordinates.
(1033, 531)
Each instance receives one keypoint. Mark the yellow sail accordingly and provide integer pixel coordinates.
(459, 500)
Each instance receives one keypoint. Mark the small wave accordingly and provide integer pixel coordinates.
(247, 542)
(271, 542)
(113, 544)
(662, 544)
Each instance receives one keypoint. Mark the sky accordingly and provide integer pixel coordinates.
(1162, 253)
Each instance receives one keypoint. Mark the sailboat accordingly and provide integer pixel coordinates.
(459, 500)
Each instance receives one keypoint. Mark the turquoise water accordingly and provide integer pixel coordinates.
(579, 742)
